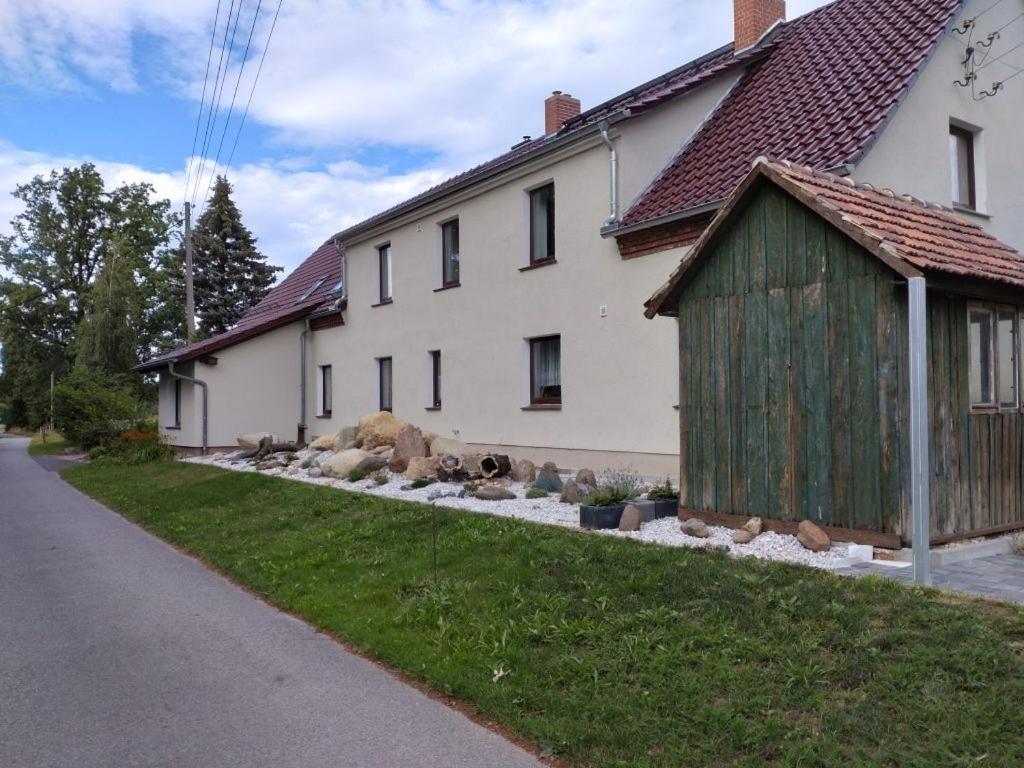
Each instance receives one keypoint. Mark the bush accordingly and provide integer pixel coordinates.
(663, 492)
(92, 408)
(536, 493)
(130, 452)
(356, 475)
(614, 488)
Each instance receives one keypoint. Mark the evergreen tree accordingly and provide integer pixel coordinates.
(108, 337)
(231, 275)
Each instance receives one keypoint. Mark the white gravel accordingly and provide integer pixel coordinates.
(550, 511)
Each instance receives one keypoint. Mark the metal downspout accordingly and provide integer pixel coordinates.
(191, 380)
(920, 502)
(302, 383)
(613, 197)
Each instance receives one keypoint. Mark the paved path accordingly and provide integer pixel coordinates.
(997, 577)
(118, 651)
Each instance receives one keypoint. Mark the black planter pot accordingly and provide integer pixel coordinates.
(669, 508)
(600, 517)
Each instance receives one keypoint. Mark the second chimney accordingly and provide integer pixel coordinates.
(559, 107)
(752, 18)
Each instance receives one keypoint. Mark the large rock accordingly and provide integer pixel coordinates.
(743, 536)
(586, 477)
(695, 527)
(346, 437)
(250, 441)
(524, 471)
(423, 467)
(631, 519)
(548, 479)
(408, 443)
(812, 537)
(445, 446)
(570, 493)
(372, 463)
(324, 443)
(754, 526)
(340, 464)
(493, 493)
(378, 429)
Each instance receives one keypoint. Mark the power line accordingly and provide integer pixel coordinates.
(990, 8)
(202, 101)
(218, 90)
(256, 79)
(1003, 56)
(234, 95)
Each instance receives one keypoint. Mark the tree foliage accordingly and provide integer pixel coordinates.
(91, 406)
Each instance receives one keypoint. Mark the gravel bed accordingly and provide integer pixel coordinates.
(550, 511)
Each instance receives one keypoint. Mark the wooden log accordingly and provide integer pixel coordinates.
(494, 465)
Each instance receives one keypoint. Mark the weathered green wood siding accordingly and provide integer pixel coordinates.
(977, 472)
(791, 396)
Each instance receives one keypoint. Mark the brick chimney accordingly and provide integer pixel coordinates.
(559, 107)
(752, 18)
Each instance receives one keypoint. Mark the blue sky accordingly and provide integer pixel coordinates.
(358, 106)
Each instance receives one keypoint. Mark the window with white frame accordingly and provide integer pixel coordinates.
(384, 273)
(542, 224)
(546, 370)
(384, 384)
(450, 254)
(994, 346)
(962, 161)
(325, 394)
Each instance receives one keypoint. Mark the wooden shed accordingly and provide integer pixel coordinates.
(795, 349)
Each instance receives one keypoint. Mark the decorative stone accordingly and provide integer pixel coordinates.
(324, 443)
(812, 537)
(272, 464)
(631, 519)
(423, 467)
(345, 436)
(742, 536)
(408, 443)
(378, 429)
(695, 527)
(314, 472)
(342, 463)
(445, 446)
(250, 441)
(570, 493)
(372, 463)
(380, 450)
(548, 479)
(493, 493)
(524, 471)
(754, 526)
(586, 477)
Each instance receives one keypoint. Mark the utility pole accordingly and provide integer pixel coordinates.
(190, 297)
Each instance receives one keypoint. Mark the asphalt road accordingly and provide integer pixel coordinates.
(116, 650)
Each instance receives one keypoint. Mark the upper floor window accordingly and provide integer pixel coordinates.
(546, 371)
(962, 165)
(450, 253)
(542, 224)
(384, 273)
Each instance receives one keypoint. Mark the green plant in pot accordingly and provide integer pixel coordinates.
(602, 507)
(665, 498)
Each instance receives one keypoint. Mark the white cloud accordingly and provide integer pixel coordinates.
(291, 212)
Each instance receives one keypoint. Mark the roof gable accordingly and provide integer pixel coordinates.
(828, 86)
(908, 235)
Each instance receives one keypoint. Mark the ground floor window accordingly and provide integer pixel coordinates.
(994, 356)
(326, 387)
(171, 409)
(384, 383)
(546, 370)
(435, 378)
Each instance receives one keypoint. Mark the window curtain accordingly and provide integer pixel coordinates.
(547, 369)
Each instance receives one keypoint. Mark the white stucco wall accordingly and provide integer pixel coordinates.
(912, 154)
(254, 387)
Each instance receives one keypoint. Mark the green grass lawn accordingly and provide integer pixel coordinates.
(55, 444)
(613, 653)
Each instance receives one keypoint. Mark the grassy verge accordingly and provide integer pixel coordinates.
(55, 444)
(605, 652)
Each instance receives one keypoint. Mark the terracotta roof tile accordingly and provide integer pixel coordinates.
(820, 96)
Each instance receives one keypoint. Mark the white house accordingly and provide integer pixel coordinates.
(504, 307)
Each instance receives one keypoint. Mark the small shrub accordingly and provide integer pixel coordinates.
(1018, 545)
(536, 493)
(381, 477)
(664, 492)
(470, 487)
(356, 475)
(130, 450)
(421, 482)
(614, 488)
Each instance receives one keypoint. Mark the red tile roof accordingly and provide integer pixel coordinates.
(279, 307)
(911, 236)
(826, 87)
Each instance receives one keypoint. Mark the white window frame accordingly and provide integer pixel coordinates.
(992, 403)
(381, 297)
(442, 284)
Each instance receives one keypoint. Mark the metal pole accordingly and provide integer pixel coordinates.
(190, 298)
(920, 473)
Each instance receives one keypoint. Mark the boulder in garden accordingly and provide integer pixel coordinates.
(340, 464)
(324, 443)
(812, 537)
(548, 479)
(695, 527)
(754, 526)
(423, 467)
(742, 536)
(524, 471)
(378, 429)
(570, 493)
(631, 519)
(408, 443)
(250, 441)
(586, 477)
(493, 493)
